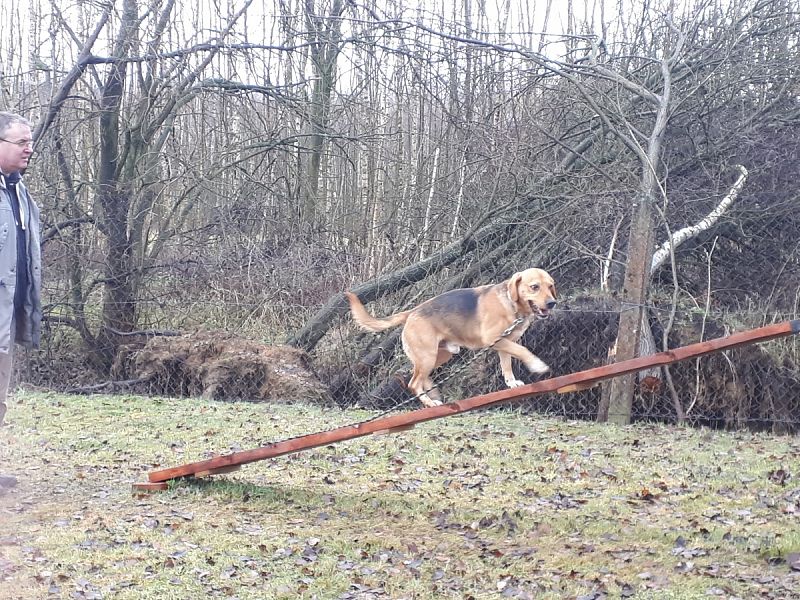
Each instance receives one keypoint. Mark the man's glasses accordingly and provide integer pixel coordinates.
(20, 143)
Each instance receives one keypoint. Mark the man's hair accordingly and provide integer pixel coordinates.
(7, 119)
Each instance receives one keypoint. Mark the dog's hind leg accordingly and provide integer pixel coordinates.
(424, 361)
(443, 355)
(421, 385)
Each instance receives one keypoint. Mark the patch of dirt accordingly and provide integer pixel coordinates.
(220, 366)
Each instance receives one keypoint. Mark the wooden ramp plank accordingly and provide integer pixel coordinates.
(399, 422)
(218, 471)
(577, 387)
(149, 486)
(394, 430)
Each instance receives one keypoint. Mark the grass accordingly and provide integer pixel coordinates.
(485, 505)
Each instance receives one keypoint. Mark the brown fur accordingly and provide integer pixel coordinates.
(470, 318)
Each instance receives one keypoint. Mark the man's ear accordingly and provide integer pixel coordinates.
(513, 287)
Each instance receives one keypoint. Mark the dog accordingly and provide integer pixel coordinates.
(470, 318)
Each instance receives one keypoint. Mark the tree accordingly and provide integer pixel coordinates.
(240, 169)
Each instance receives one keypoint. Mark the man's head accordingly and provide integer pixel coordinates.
(16, 143)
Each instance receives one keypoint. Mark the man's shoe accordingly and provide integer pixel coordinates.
(7, 481)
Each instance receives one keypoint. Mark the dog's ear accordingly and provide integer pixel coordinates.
(553, 290)
(513, 287)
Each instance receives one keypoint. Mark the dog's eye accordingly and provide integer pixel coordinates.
(535, 287)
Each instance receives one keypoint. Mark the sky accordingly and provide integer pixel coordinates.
(31, 41)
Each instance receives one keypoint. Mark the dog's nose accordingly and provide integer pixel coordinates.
(550, 304)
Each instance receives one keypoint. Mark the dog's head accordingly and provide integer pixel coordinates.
(533, 292)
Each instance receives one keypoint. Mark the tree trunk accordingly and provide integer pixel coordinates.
(118, 301)
(637, 275)
(325, 36)
(640, 244)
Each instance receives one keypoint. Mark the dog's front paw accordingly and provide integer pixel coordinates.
(428, 401)
(537, 366)
(514, 383)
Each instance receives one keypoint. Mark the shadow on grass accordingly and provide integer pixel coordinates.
(274, 497)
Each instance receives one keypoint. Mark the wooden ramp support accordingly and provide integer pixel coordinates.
(404, 421)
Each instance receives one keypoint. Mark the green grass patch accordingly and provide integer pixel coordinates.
(483, 505)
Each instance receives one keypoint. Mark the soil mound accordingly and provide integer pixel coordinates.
(221, 366)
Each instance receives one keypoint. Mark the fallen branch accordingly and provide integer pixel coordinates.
(647, 343)
(108, 386)
(676, 239)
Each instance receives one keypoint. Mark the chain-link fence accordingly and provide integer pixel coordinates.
(235, 216)
(755, 386)
(234, 321)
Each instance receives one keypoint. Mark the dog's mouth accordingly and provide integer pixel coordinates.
(539, 312)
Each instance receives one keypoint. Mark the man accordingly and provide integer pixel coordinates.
(20, 253)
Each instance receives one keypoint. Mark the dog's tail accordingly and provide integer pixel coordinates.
(367, 321)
